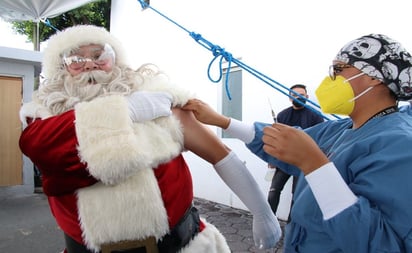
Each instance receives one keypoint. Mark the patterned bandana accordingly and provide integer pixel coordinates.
(382, 58)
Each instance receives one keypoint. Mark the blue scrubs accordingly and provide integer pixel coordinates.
(376, 163)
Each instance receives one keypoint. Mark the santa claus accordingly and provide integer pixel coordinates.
(109, 148)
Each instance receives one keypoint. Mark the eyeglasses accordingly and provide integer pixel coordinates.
(336, 69)
(99, 56)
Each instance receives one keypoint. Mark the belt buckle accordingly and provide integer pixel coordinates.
(150, 244)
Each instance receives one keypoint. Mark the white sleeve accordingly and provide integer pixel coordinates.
(266, 228)
(331, 192)
(240, 130)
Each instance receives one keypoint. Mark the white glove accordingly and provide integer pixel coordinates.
(148, 105)
(266, 228)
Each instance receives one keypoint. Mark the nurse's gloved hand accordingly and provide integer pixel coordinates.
(149, 105)
(266, 230)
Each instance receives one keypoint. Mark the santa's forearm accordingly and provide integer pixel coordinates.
(266, 228)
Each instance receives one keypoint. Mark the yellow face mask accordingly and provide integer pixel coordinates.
(336, 96)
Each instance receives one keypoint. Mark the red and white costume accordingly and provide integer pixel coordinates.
(107, 178)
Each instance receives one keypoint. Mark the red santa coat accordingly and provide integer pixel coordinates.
(97, 169)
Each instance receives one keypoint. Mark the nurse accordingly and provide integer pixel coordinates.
(354, 192)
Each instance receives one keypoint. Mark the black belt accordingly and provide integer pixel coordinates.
(184, 231)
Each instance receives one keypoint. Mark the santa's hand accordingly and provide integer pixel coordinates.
(266, 232)
(148, 105)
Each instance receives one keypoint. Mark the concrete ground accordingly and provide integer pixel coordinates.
(27, 226)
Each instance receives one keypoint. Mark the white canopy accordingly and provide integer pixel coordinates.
(36, 10)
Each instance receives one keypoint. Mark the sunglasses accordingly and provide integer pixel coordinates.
(99, 55)
(335, 69)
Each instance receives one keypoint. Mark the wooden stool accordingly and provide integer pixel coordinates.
(149, 244)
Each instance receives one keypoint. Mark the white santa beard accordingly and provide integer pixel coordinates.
(62, 92)
(75, 89)
(87, 85)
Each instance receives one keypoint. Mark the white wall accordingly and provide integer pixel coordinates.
(289, 41)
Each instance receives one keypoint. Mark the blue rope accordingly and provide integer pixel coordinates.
(219, 52)
(47, 22)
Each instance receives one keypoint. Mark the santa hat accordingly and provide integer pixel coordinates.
(72, 38)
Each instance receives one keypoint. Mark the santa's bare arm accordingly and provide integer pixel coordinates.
(199, 139)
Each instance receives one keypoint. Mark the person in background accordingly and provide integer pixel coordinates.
(37, 180)
(296, 115)
(109, 148)
(353, 192)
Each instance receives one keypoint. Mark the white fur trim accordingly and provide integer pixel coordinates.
(132, 210)
(114, 147)
(210, 240)
(33, 110)
(74, 37)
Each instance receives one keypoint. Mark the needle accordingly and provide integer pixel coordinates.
(273, 112)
